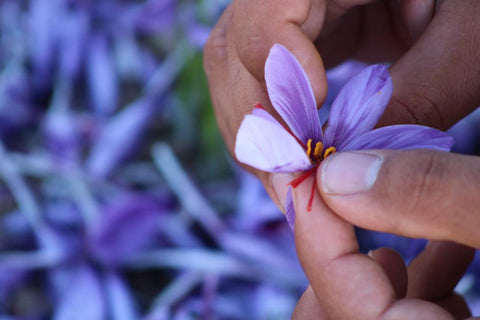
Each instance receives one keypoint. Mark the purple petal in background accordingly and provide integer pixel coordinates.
(466, 133)
(61, 134)
(118, 137)
(291, 94)
(43, 35)
(72, 42)
(83, 299)
(102, 78)
(267, 146)
(255, 209)
(127, 225)
(120, 300)
(156, 15)
(358, 106)
(402, 137)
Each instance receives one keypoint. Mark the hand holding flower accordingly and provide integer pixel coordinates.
(436, 79)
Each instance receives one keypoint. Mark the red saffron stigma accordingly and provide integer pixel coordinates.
(259, 106)
(297, 181)
(312, 192)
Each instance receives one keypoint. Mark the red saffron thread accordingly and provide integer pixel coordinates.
(312, 192)
(297, 181)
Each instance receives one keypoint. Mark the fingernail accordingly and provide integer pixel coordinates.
(347, 173)
(280, 186)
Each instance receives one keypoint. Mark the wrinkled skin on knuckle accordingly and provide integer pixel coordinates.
(415, 189)
(215, 50)
(416, 108)
(256, 26)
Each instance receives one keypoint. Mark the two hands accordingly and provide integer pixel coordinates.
(435, 47)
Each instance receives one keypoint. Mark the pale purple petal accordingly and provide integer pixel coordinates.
(266, 145)
(291, 94)
(119, 298)
(259, 112)
(358, 106)
(290, 210)
(84, 298)
(402, 137)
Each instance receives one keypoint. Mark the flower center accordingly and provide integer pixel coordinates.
(318, 153)
(316, 157)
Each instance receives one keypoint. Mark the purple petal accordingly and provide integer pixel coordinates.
(120, 300)
(259, 112)
(290, 210)
(102, 78)
(83, 299)
(127, 225)
(358, 106)
(119, 137)
(266, 145)
(402, 137)
(291, 94)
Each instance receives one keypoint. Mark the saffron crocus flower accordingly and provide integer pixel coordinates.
(300, 146)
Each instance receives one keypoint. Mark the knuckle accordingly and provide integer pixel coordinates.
(428, 189)
(215, 49)
(419, 108)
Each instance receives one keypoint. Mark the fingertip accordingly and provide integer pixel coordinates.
(258, 26)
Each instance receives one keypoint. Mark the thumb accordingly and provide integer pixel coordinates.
(415, 193)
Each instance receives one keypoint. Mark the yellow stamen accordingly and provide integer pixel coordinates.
(309, 147)
(329, 151)
(318, 150)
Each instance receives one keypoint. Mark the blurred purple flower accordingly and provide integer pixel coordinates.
(102, 82)
(466, 132)
(43, 34)
(262, 142)
(119, 297)
(61, 135)
(156, 15)
(84, 299)
(127, 225)
(118, 137)
(72, 42)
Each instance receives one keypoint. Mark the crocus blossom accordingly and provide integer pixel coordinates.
(300, 146)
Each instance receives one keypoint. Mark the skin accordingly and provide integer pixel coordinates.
(434, 48)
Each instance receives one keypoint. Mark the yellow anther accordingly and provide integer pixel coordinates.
(309, 147)
(329, 151)
(318, 150)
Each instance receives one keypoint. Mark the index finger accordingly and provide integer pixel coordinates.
(258, 25)
(349, 285)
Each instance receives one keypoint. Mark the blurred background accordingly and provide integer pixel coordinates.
(117, 197)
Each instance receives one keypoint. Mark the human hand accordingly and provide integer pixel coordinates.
(416, 193)
(428, 88)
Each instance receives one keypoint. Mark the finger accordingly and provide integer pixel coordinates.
(234, 91)
(436, 82)
(456, 305)
(435, 272)
(394, 267)
(341, 278)
(415, 193)
(293, 23)
(339, 275)
(308, 307)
